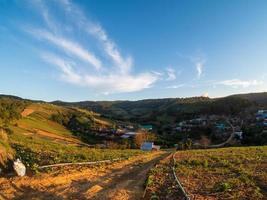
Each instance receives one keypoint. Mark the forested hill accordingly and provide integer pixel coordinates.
(150, 110)
(158, 111)
(259, 98)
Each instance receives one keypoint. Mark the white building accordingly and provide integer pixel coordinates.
(149, 146)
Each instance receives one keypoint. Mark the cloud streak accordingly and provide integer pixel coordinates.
(69, 47)
(199, 67)
(106, 84)
(237, 83)
(171, 74)
(175, 86)
(112, 76)
(96, 30)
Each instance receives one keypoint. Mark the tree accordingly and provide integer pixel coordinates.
(139, 139)
(204, 141)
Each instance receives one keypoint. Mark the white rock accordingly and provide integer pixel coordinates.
(19, 167)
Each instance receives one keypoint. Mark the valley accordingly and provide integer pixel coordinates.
(75, 137)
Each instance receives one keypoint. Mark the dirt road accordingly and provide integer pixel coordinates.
(123, 180)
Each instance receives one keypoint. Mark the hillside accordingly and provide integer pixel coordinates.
(259, 98)
(36, 126)
(161, 111)
(41, 133)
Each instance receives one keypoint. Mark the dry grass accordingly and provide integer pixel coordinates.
(5, 150)
(118, 180)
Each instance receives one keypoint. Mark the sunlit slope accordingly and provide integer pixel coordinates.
(38, 139)
(36, 122)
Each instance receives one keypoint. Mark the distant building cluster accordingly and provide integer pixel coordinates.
(261, 116)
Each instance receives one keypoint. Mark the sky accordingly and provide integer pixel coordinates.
(75, 50)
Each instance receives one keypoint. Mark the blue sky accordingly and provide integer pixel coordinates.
(123, 49)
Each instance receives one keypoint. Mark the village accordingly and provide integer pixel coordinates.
(223, 130)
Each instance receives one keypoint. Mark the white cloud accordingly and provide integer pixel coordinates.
(68, 74)
(106, 84)
(113, 83)
(69, 47)
(199, 64)
(159, 74)
(116, 74)
(198, 61)
(171, 74)
(175, 86)
(43, 9)
(96, 30)
(236, 83)
(110, 48)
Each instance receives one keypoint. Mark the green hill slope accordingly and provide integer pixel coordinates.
(161, 111)
(41, 133)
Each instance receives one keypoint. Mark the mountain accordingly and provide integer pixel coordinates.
(161, 111)
(50, 131)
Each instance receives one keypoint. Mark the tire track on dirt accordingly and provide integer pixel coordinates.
(121, 180)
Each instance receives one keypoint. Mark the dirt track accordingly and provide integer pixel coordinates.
(124, 180)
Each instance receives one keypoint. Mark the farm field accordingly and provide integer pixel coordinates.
(114, 181)
(35, 151)
(37, 140)
(227, 173)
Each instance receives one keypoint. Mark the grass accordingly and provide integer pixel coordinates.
(37, 140)
(160, 183)
(227, 173)
(6, 151)
(35, 151)
(40, 119)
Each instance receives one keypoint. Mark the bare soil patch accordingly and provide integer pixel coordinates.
(121, 180)
(26, 112)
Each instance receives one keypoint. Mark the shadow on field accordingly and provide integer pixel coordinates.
(27, 192)
(130, 179)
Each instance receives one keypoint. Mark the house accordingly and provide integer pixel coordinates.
(120, 131)
(261, 115)
(129, 135)
(149, 146)
(130, 127)
(147, 127)
(178, 128)
(239, 135)
(220, 126)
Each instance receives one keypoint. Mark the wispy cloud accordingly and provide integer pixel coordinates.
(44, 11)
(199, 67)
(125, 64)
(96, 30)
(115, 76)
(236, 83)
(175, 86)
(68, 73)
(198, 60)
(106, 84)
(69, 46)
(171, 74)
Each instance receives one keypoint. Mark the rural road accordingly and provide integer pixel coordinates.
(122, 180)
(231, 137)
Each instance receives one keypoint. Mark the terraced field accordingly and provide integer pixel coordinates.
(227, 173)
(38, 140)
